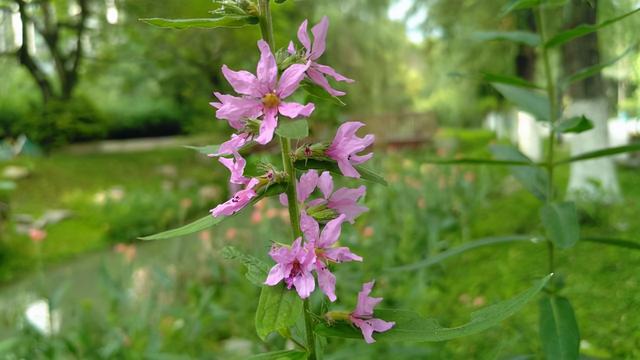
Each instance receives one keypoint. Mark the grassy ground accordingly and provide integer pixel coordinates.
(191, 303)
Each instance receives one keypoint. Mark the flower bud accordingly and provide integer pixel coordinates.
(334, 316)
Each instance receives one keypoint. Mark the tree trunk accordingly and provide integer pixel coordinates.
(595, 179)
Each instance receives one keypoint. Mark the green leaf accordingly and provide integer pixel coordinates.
(318, 92)
(524, 37)
(592, 70)
(209, 221)
(576, 125)
(278, 308)
(196, 226)
(558, 329)
(411, 326)
(601, 153)
(205, 23)
(560, 220)
(332, 166)
(436, 259)
(257, 270)
(532, 178)
(205, 150)
(296, 129)
(613, 242)
(472, 161)
(510, 80)
(527, 100)
(584, 29)
(281, 355)
(527, 4)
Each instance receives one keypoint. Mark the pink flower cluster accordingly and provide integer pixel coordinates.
(254, 115)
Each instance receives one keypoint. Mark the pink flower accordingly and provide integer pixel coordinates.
(37, 235)
(362, 316)
(325, 252)
(234, 144)
(346, 145)
(262, 95)
(236, 167)
(238, 201)
(317, 72)
(294, 266)
(343, 201)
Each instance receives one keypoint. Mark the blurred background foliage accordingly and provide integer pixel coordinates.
(418, 66)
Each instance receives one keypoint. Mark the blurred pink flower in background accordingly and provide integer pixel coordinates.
(37, 235)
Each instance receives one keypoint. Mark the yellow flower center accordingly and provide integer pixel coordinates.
(271, 100)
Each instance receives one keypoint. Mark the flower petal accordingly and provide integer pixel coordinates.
(325, 184)
(365, 328)
(341, 254)
(293, 110)
(303, 36)
(291, 49)
(304, 284)
(232, 145)
(331, 232)
(345, 201)
(328, 70)
(326, 281)
(236, 167)
(243, 82)
(319, 79)
(307, 184)
(290, 80)
(319, 38)
(365, 305)
(347, 169)
(309, 227)
(268, 126)
(237, 109)
(276, 274)
(267, 69)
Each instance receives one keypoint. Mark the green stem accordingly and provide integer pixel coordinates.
(266, 27)
(553, 109)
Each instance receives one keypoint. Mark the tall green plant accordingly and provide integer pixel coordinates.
(558, 328)
(316, 217)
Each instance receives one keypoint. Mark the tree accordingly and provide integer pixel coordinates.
(63, 38)
(595, 177)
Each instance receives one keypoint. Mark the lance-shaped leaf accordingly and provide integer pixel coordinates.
(523, 37)
(527, 4)
(205, 150)
(558, 329)
(560, 221)
(194, 227)
(601, 153)
(575, 125)
(509, 80)
(278, 309)
(628, 244)
(527, 100)
(532, 178)
(473, 161)
(256, 269)
(411, 326)
(584, 29)
(204, 23)
(296, 129)
(489, 241)
(594, 69)
(210, 221)
(281, 355)
(332, 166)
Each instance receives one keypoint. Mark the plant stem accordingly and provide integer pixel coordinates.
(553, 111)
(266, 27)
